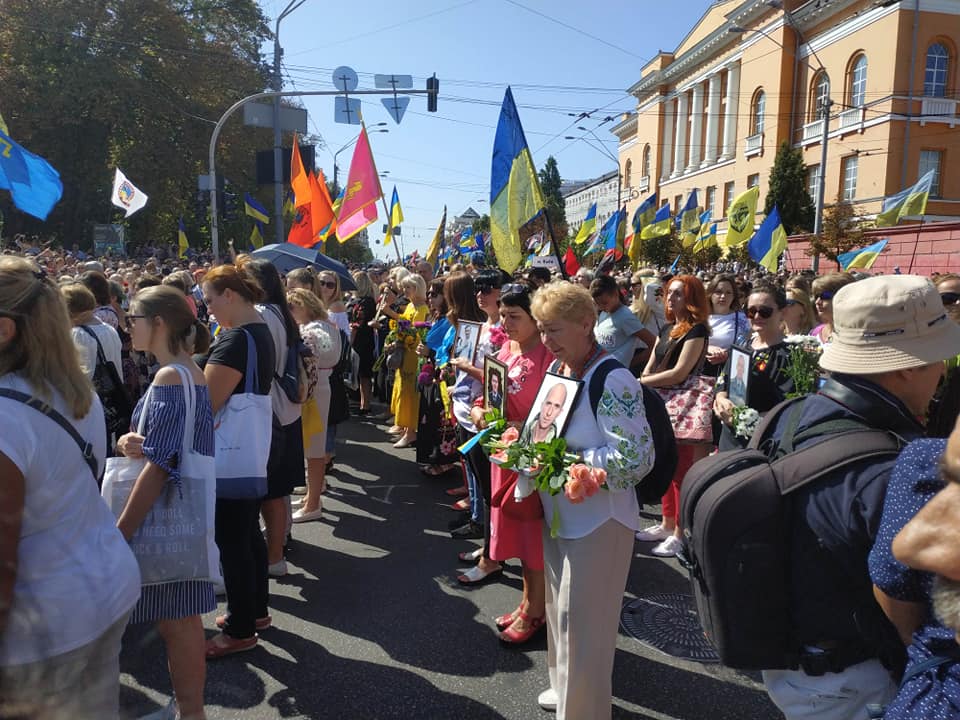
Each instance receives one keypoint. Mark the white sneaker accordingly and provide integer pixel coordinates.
(277, 569)
(301, 515)
(654, 533)
(548, 700)
(669, 547)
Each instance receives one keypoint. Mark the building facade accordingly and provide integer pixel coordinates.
(755, 73)
(577, 201)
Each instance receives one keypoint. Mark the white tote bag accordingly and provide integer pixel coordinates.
(244, 428)
(176, 539)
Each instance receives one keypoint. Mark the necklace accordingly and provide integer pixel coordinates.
(594, 353)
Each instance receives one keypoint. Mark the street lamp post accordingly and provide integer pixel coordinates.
(606, 152)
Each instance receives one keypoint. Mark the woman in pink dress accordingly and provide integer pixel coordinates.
(517, 533)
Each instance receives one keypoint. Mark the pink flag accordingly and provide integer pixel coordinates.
(362, 191)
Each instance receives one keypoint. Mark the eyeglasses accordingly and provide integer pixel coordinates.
(825, 296)
(791, 303)
(132, 318)
(329, 284)
(761, 310)
(950, 298)
(513, 288)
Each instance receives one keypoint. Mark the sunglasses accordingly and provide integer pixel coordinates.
(950, 298)
(791, 303)
(761, 310)
(329, 284)
(514, 288)
(826, 296)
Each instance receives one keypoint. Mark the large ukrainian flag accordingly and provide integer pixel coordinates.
(912, 201)
(515, 195)
(588, 227)
(660, 225)
(768, 243)
(862, 258)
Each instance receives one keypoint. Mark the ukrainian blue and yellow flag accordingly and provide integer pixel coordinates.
(912, 201)
(768, 243)
(515, 195)
(862, 258)
(607, 237)
(182, 238)
(289, 211)
(467, 241)
(254, 209)
(588, 227)
(707, 235)
(690, 219)
(660, 225)
(644, 214)
(256, 235)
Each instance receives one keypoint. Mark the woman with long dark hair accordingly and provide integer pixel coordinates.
(436, 432)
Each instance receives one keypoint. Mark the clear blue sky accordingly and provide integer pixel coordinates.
(544, 49)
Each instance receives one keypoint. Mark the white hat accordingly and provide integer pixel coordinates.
(887, 323)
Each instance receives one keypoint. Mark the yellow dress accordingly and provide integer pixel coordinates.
(405, 401)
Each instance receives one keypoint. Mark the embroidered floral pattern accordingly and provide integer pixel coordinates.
(634, 445)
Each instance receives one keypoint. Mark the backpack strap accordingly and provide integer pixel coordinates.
(251, 378)
(86, 448)
(599, 379)
(101, 357)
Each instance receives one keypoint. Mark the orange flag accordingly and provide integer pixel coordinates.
(298, 177)
(301, 232)
(321, 206)
(359, 207)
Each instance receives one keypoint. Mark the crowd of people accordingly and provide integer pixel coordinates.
(144, 359)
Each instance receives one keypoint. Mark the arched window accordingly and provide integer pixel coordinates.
(627, 172)
(757, 111)
(645, 164)
(819, 94)
(935, 77)
(857, 84)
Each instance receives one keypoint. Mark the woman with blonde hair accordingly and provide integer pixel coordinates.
(405, 402)
(162, 323)
(586, 564)
(823, 289)
(798, 315)
(323, 339)
(68, 579)
(328, 290)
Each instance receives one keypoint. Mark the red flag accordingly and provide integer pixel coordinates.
(301, 232)
(570, 262)
(359, 207)
(298, 177)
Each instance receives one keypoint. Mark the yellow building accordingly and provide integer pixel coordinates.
(754, 73)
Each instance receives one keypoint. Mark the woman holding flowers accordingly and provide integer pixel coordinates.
(586, 563)
(405, 402)
(515, 531)
(436, 435)
(769, 383)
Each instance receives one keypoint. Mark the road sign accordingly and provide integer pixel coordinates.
(291, 119)
(393, 82)
(346, 110)
(396, 106)
(345, 79)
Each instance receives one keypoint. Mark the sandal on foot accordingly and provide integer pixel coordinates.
(515, 636)
(505, 621)
(470, 555)
(461, 504)
(476, 576)
(263, 623)
(221, 645)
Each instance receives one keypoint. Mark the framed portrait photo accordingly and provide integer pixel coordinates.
(738, 381)
(494, 384)
(466, 340)
(551, 409)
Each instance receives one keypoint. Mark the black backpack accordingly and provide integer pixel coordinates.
(295, 379)
(117, 406)
(735, 510)
(652, 486)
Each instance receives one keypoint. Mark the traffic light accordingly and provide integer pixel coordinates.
(230, 206)
(433, 89)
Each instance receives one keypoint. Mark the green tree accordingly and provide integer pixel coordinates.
(788, 190)
(550, 182)
(660, 251)
(482, 225)
(840, 233)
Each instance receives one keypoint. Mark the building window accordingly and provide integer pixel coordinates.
(756, 112)
(932, 160)
(677, 202)
(935, 77)
(728, 189)
(646, 161)
(858, 82)
(627, 172)
(711, 200)
(820, 94)
(753, 180)
(813, 181)
(849, 191)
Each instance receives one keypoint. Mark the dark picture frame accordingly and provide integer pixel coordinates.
(738, 379)
(493, 397)
(466, 340)
(556, 398)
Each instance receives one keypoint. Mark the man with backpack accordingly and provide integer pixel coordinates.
(779, 534)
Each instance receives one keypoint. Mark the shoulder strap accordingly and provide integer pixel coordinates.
(86, 448)
(101, 357)
(251, 378)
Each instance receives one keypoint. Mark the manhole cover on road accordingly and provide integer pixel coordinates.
(669, 623)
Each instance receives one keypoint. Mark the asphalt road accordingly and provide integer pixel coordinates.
(370, 622)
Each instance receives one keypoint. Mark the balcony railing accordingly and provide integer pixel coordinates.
(644, 184)
(939, 110)
(812, 132)
(753, 145)
(851, 119)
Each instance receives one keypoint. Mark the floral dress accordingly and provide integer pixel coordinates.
(405, 402)
(510, 537)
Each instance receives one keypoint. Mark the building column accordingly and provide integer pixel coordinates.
(730, 117)
(666, 153)
(713, 117)
(680, 148)
(696, 129)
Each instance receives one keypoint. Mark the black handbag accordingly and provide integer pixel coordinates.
(117, 408)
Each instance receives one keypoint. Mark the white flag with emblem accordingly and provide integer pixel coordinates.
(126, 195)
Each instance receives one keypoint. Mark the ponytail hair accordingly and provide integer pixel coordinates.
(238, 279)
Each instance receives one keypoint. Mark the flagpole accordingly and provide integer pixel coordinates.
(556, 248)
(916, 244)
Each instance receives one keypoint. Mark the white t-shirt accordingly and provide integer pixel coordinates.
(724, 329)
(109, 341)
(341, 320)
(285, 410)
(76, 575)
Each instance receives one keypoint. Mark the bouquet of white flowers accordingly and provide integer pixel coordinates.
(745, 421)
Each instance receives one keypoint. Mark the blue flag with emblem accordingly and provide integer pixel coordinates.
(33, 183)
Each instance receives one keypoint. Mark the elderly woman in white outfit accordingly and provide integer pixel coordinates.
(587, 563)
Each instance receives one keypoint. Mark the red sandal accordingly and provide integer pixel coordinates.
(518, 637)
(505, 621)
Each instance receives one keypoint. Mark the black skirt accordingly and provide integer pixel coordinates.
(436, 431)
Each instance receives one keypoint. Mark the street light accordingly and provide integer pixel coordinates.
(606, 152)
(824, 116)
(377, 129)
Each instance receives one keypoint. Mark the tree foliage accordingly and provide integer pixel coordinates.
(550, 182)
(136, 84)
(788, 190)
(840, 233)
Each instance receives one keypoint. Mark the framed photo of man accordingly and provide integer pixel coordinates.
(738, 380)
(466, 340)
(551, 409)
(494, 389)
